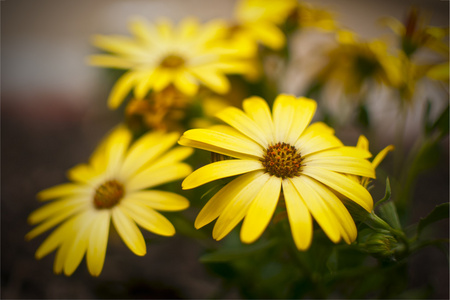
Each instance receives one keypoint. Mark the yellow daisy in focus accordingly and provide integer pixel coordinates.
(279, 154)
(112, 186)
(258, 21)
(160, 55)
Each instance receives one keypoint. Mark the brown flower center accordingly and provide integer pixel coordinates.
(172, 61)
(108, 194)
(282, 160)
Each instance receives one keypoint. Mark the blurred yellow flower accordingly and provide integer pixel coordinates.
(414, 34)
(112, 186)
(279, 154)
(354, 62)
(258, 21)
(160, 55)
(309, 15)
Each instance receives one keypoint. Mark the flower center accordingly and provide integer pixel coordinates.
(172, 62)
(282, 160)
(108, 194)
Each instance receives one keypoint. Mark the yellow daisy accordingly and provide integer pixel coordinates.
(160, 55)
(112, 186)
(278, 153)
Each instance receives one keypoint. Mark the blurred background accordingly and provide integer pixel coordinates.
(54, 112)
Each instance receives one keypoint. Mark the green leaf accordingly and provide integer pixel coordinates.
(440, 212)
(387, 193)
(388, 212)
(224, 255)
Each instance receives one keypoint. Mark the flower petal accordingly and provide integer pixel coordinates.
(55, 207)
(148, 218)
(122, 88)
(98, 240)
(304, 110)
(308, 144)
(342, 164)
(343, 185)
(220, 169)
(215, 206)
(152, 177)
(318, 208)
(129, 232)
(227, 144)
(257, 109)
(299, 216)
(62, 190)
(175, 155)
(239, 120)
(261, 210)
(159, 200)
(237, 207)
(283, 115)
(79, 242)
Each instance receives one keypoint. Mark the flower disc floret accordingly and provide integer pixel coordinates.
(172, 61)
(282, 160)
(108, 194)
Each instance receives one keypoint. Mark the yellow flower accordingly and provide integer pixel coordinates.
(414, 34)
(311, 16)
(353, 62)
(258, 21)
(278, 153)
(160, 55)
(112, 186)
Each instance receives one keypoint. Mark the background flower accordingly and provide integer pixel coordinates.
(113, 186)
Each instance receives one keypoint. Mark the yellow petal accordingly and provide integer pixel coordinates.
(152, 177)
(257, 109)
(98, 240)
(117, 148)
(129, 232)
(239, 120)
(119, 44)
(215, 206)
(162, 78)
(146, 149)
(145, 83)
(148, 218)
(237, 207)
(79, 242)
(315, 143)
(159, 200)
(342, 164)
(220, 169)
(283, 115)
(304, 110)
(318, 208)
(347, 225)
(56, 238)
(362, 143)
(122, 88)
(299, 217)
(268, 34)
(212, 79)
(341, 184)
(82, 173)
(62, 190)
(261, 210)
(51, 209)
(175, 155)
(227, 143)
(110, 61)
(186, 83)
(381, 155)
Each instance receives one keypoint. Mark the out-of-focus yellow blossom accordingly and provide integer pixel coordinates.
(258, 21)
(309, 15)
(414, 34)
(354, 62)
(279, 152)
(160, 54)
(159, 111)
(439, 72)
(114, 185)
